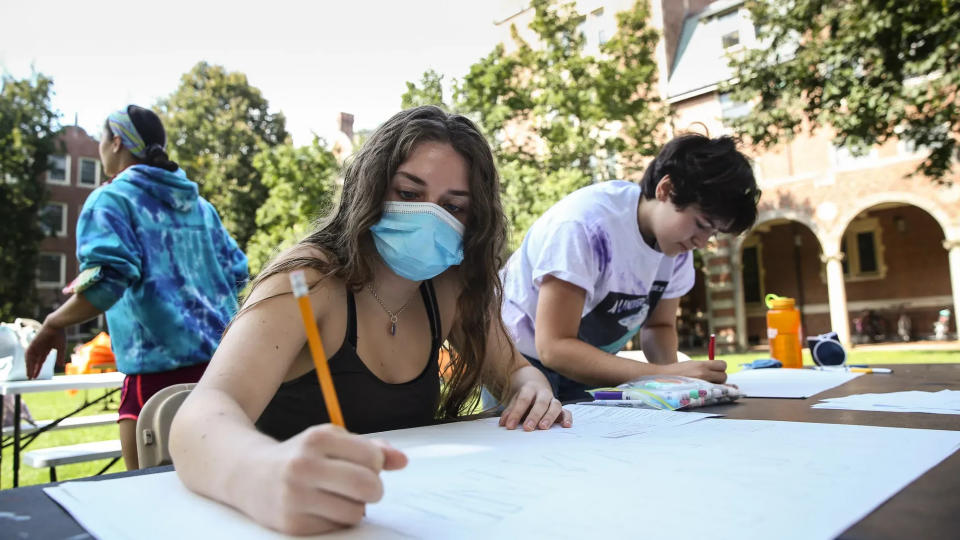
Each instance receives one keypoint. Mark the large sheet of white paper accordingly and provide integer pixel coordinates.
(942, 402)
(787, 383)
(621, 422)
(713, 478)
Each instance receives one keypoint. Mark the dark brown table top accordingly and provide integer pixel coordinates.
(927, 508)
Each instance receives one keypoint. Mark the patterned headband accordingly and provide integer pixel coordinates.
(122, 126)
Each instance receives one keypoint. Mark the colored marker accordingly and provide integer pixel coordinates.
(871, 370)
(712, 348)
(299, 284)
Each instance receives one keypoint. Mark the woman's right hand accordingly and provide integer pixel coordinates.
(321, 480)
(714, 371)
(48, 338)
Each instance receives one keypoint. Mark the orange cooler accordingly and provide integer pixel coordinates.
(783, 331)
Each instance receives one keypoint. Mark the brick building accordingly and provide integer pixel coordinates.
(844, 235)
(73, 175)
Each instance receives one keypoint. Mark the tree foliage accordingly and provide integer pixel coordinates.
(28, 130)
(216, 124)
(302, 183)
(871, 70)
(557, 117)
(429, 92)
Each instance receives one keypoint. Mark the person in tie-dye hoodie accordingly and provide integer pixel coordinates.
(156, 258)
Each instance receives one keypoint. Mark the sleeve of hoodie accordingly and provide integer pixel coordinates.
(230, 253)
(108, 250)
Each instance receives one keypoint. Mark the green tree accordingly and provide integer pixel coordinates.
(216, 124)
(558, 118)
(871, 70)
(429, 92)
(28, 129)
(302, 184)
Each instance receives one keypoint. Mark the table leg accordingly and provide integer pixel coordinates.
(16, 440)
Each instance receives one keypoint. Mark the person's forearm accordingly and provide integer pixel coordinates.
(216, 450)
(659, 344)
(583, 362)
(75, 310)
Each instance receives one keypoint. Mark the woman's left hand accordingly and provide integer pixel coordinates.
(533, 404)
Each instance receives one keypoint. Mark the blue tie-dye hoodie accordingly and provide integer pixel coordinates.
(155, 256)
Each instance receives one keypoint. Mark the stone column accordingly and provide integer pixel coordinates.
(721, 300)
(837, 294)
(739, 305)
(953, 253)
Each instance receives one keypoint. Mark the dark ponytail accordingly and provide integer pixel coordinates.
(150, 128)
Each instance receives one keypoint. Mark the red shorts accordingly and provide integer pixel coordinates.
(137, 389)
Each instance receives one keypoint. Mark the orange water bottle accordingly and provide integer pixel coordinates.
(783, 330)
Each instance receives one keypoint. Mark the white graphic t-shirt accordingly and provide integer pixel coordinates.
(591, 239)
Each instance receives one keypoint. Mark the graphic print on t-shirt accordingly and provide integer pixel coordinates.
(618, 317)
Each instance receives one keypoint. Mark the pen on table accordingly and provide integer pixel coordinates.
(712, 347)
(299, 284)
(870, 370)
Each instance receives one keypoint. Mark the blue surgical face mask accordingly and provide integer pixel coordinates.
(418, 240)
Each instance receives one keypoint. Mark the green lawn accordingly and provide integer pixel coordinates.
(55, 403)
(51, 405)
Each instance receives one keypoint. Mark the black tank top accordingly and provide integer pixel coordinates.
(368, 403)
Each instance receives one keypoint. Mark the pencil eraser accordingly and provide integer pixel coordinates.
(299, 283)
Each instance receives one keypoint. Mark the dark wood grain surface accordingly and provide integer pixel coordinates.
(927, 508)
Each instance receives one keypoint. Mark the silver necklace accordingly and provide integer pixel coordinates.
(393, 316)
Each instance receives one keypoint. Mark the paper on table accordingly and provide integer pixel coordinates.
(623, 422)
(787, 383)
(469, 480)
(942, 402)
(165, 509)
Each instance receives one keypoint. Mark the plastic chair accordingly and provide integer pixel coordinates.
(153, 424)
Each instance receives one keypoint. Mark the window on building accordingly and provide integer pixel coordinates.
(913, 148)
(89, 172)
(597, 28)
(863, 249)
(846, 258)
(53, 219)
(752, 284)
(88, 329)
(730, 39)
(867, 252)
(51, 270)
(845, 157)
(730, 109)
(59, 171)
(728, 26)
(601, 25)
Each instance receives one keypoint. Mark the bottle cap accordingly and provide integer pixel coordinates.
(774, 301)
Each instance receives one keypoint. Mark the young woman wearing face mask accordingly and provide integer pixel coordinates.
(406, 265)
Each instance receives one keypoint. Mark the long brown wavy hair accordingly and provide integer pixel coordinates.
(344, 237)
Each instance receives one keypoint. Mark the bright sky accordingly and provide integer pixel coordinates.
(311, 59)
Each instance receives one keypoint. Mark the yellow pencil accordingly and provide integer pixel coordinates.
(300, 290)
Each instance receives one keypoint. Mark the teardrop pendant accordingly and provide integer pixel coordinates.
(393, 325)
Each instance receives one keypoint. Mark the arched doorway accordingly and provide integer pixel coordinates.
(896, 272)
(782, 256)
